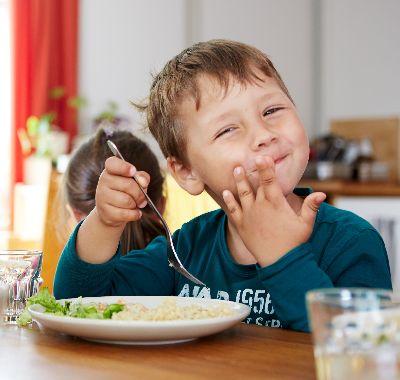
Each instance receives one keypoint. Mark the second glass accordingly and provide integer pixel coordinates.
(356, 333)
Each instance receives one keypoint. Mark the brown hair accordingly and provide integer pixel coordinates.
(85, 167)
(220, 59)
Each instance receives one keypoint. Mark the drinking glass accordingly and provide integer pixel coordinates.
(356, 333)
(19, 279)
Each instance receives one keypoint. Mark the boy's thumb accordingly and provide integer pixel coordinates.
(311, 205)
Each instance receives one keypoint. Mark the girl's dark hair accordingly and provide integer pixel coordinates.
(85, 167)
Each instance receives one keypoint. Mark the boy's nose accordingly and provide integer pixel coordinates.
(262, 137)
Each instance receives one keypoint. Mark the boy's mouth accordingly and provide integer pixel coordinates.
(253, 169)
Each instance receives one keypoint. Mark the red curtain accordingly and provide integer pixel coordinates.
(45, 39)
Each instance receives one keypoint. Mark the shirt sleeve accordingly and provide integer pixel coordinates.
(140, 272)
(360, 262)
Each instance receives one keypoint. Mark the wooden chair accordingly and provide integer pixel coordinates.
(52, 245)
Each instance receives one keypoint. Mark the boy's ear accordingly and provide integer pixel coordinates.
(186, 177)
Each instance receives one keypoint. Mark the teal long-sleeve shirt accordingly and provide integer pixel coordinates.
(344, 250)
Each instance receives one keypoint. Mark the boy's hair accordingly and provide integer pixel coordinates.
(222, 60)
(85, 167)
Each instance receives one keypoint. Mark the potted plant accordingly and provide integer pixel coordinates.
(42, 141)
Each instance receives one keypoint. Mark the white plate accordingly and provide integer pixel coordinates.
(143, 332)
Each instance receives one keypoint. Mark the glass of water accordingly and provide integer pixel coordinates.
(356, 333)
(19, 279)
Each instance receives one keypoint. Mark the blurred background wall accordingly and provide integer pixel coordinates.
(338, 58)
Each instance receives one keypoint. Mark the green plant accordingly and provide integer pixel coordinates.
(35, 138)
(109, 114)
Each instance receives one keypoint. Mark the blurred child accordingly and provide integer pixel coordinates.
(83, 172)
(227, 125)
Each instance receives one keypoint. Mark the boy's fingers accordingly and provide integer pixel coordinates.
(245, 192)
(311, 205)
(120, 199)
(113, 184)
(143, 178)
(116, 166)
(266, 173)
(118, 215)
(233, 208)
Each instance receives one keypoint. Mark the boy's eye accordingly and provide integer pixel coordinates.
(271, 111)
(224, 131)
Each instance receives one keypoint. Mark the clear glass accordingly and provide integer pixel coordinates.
(356, 333)
(19, 279)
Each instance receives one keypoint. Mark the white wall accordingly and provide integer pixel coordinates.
(283, 29)
(339, 58)
(121, 43)
(360, 63)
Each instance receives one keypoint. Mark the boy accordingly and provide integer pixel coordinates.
(226, 124)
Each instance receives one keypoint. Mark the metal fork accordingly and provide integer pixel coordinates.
(172, 255)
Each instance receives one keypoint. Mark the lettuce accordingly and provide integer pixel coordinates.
(111, 309)
(24, 318)
(44, 298)
(71, 309)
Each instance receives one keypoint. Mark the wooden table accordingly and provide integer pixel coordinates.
(243, 352)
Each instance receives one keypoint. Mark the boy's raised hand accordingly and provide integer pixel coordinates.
(118, 201)
(265, 221)
(118, 197)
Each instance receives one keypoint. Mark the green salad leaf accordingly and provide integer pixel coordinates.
(76, 309)
(111, 309)
(24, 318)
(44, 298)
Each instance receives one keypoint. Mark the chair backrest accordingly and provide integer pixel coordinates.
(52, 246)
(181, 206)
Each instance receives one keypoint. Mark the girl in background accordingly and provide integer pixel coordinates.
(83, 172)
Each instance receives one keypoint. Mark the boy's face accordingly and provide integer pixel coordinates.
(231, 129)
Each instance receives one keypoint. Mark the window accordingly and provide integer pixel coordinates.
(5, 115)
